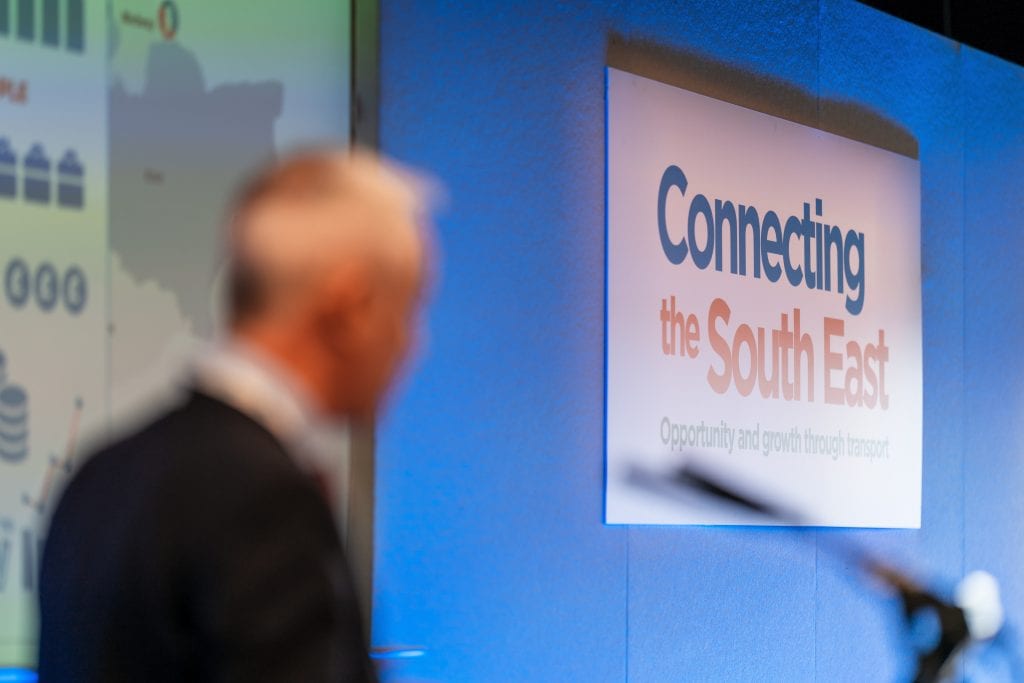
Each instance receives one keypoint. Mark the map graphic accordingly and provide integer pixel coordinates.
(173, 162)
(188, 121)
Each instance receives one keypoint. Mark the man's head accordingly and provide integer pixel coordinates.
(327, 262)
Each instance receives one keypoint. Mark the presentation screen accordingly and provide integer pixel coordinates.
(125, 125)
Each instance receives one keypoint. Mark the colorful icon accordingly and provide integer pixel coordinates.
(76, 292)
(168, 20)
(51, 22)
(36, 182)
(20, 18)
(13, 419)
(47, 289)
(46, 286)
(13, 424)
(70, 181)
(16, 283)
(75, 39)
(8, 170)
(27, 19)
(5, 555)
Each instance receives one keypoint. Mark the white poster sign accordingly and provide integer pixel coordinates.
(764, 315)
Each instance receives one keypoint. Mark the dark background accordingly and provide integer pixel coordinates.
(995, 26)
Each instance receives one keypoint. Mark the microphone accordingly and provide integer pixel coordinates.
(978, 596)
(976, 614)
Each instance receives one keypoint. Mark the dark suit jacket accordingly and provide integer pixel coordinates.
(196, 550)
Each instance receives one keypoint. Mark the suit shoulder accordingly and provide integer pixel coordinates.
(200, 450)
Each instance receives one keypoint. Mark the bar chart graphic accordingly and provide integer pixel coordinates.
(56, 24)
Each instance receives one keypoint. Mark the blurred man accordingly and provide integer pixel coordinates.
(202, 548)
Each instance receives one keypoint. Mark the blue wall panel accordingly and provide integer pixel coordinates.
(775, 39)
(993, 104)
(491, 549)
(724, 604)
(492, 552)
(720, 605)
(911, 77)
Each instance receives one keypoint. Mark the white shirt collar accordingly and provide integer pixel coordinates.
(246, 380)
(253, 384)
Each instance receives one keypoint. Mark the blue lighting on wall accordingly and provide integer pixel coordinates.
(393, 653)
(18, 676)
(490, 546)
